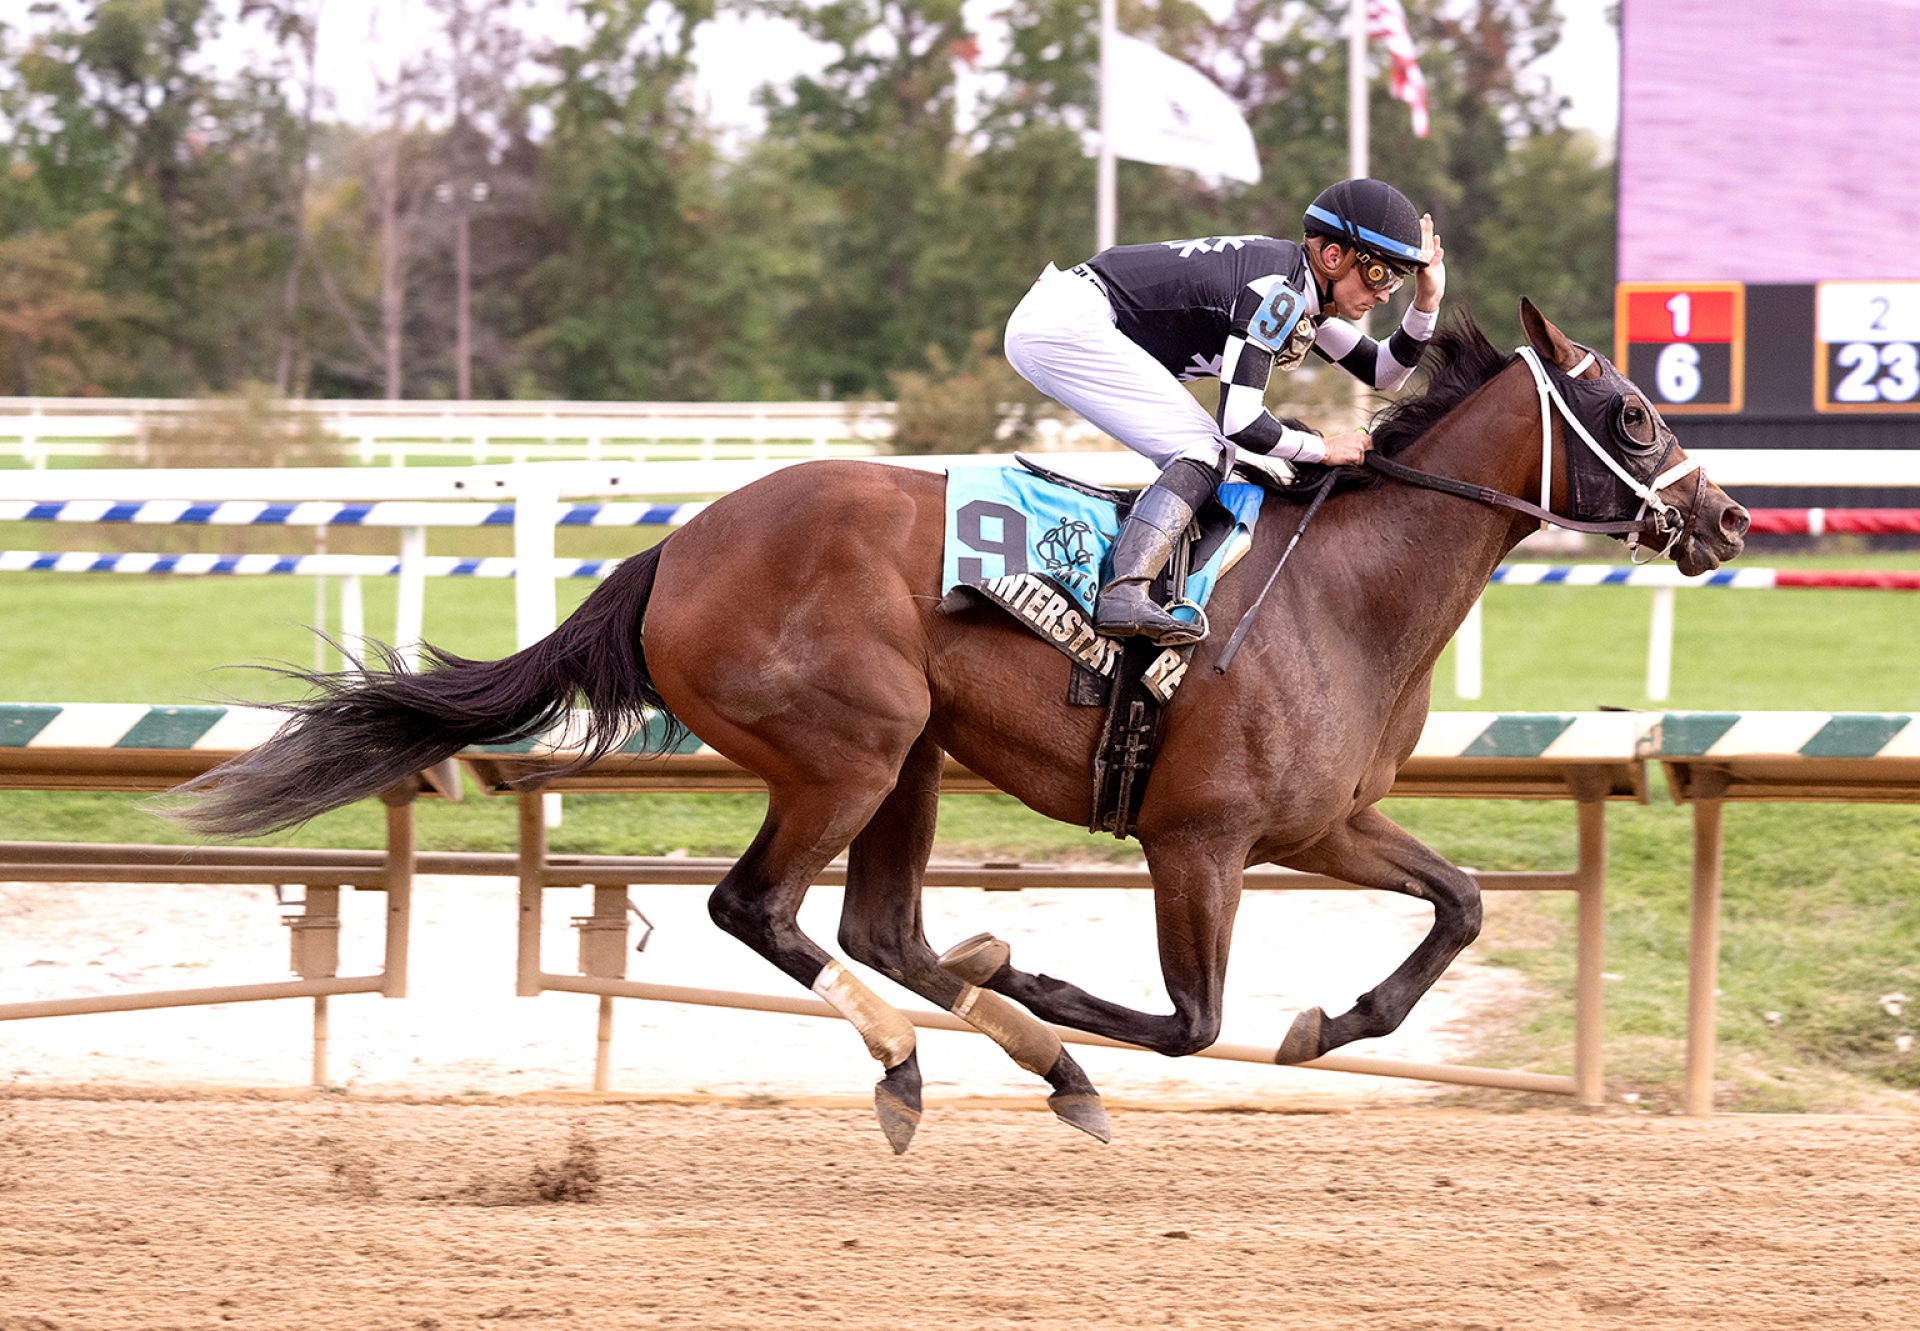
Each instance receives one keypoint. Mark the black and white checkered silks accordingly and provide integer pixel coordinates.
(1063, 339)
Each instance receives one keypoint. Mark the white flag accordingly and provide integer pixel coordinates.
(1171, 114)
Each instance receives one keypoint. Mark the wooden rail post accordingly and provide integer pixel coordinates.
(533, 860)
(1703, 943)
(399, 887)
(1589, 982)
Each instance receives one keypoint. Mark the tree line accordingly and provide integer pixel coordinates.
(536, 219)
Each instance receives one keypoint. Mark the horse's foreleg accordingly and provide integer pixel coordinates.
(1371, 851)
(758, 902)
(882, 926)
(1195, 896)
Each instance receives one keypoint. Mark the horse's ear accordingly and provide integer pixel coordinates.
(1544, 338)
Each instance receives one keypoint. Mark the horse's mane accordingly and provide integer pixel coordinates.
(1457, 361)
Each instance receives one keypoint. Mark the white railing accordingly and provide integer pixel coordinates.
(536, 492)
(39, 429)
(531, 497)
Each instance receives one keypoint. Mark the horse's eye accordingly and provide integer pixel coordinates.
(1636, 422)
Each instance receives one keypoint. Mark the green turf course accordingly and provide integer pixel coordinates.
(1822, 915)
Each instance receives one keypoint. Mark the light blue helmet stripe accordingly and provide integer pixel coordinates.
(1393, 247)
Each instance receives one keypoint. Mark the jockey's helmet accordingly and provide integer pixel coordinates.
(1370, 216)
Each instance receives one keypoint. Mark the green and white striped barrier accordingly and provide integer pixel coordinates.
(137, 726)
(1551, 735)
(112, 725)
(1783, 734)
(1562, 735)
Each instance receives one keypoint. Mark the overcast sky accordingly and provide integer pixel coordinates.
(738, 54)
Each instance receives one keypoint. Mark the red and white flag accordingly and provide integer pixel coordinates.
(1387, 20)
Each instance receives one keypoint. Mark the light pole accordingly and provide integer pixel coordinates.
(462, 196)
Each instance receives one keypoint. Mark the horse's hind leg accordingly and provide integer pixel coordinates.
(882, 926)
(1371, 851)
(758, 902)
(1196, 892)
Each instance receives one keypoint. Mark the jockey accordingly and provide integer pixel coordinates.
(1114, 337)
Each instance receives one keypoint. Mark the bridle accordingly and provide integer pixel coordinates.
(1665, 520)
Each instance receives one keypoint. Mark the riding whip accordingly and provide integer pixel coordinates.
(1240, 629)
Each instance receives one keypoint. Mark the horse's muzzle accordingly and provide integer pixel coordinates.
(1718, 533)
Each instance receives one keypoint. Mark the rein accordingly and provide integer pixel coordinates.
(1482, 494)
(1666, 521)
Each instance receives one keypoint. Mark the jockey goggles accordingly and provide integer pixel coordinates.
(1377, 273)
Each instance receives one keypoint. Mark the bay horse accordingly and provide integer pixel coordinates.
(792, 626)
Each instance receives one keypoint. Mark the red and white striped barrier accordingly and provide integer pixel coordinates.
(1836, 521)
(1666, 575)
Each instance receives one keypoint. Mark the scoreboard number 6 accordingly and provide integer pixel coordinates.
(1684, 344)
(1677, 373)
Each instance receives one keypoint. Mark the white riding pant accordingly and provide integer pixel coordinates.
(1062, 340)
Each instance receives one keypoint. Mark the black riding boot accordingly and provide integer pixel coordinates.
(1145, 544)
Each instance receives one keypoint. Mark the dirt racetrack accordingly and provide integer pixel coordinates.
(320, 1213)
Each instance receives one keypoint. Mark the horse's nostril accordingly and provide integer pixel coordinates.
(1735, 521)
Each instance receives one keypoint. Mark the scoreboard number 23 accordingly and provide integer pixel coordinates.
(1866, 346)
(1683, 344)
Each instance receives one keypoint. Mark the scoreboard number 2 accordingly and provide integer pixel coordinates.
(1685, 342)
(1866, 346)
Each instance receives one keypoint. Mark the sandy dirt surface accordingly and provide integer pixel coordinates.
(169, 1171)
(151, 1216)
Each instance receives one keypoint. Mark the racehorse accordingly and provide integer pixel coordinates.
(792, 626)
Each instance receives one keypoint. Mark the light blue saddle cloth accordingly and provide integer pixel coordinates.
(1039, 550)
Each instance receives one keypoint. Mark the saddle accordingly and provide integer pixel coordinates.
(1048, 584)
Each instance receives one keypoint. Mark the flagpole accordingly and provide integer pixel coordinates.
(1357, 165)
(1356, 89)
(1106, 205)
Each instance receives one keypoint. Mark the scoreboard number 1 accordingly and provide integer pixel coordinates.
(1866, 347)
(1684, 343)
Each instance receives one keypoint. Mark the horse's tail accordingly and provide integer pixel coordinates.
(364, 730)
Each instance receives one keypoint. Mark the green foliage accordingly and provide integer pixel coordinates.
(60, 334)
(118, 112)
(978, 406)
(633, 269)
(876, 134)
(1546, 233)
(161, 232)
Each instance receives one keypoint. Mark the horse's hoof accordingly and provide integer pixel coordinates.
(896, 1103)
(1303, 1038)
(1083, 1110)
(977, 960)
(1075, 1101)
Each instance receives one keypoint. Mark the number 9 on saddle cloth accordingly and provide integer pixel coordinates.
(1038, 547)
